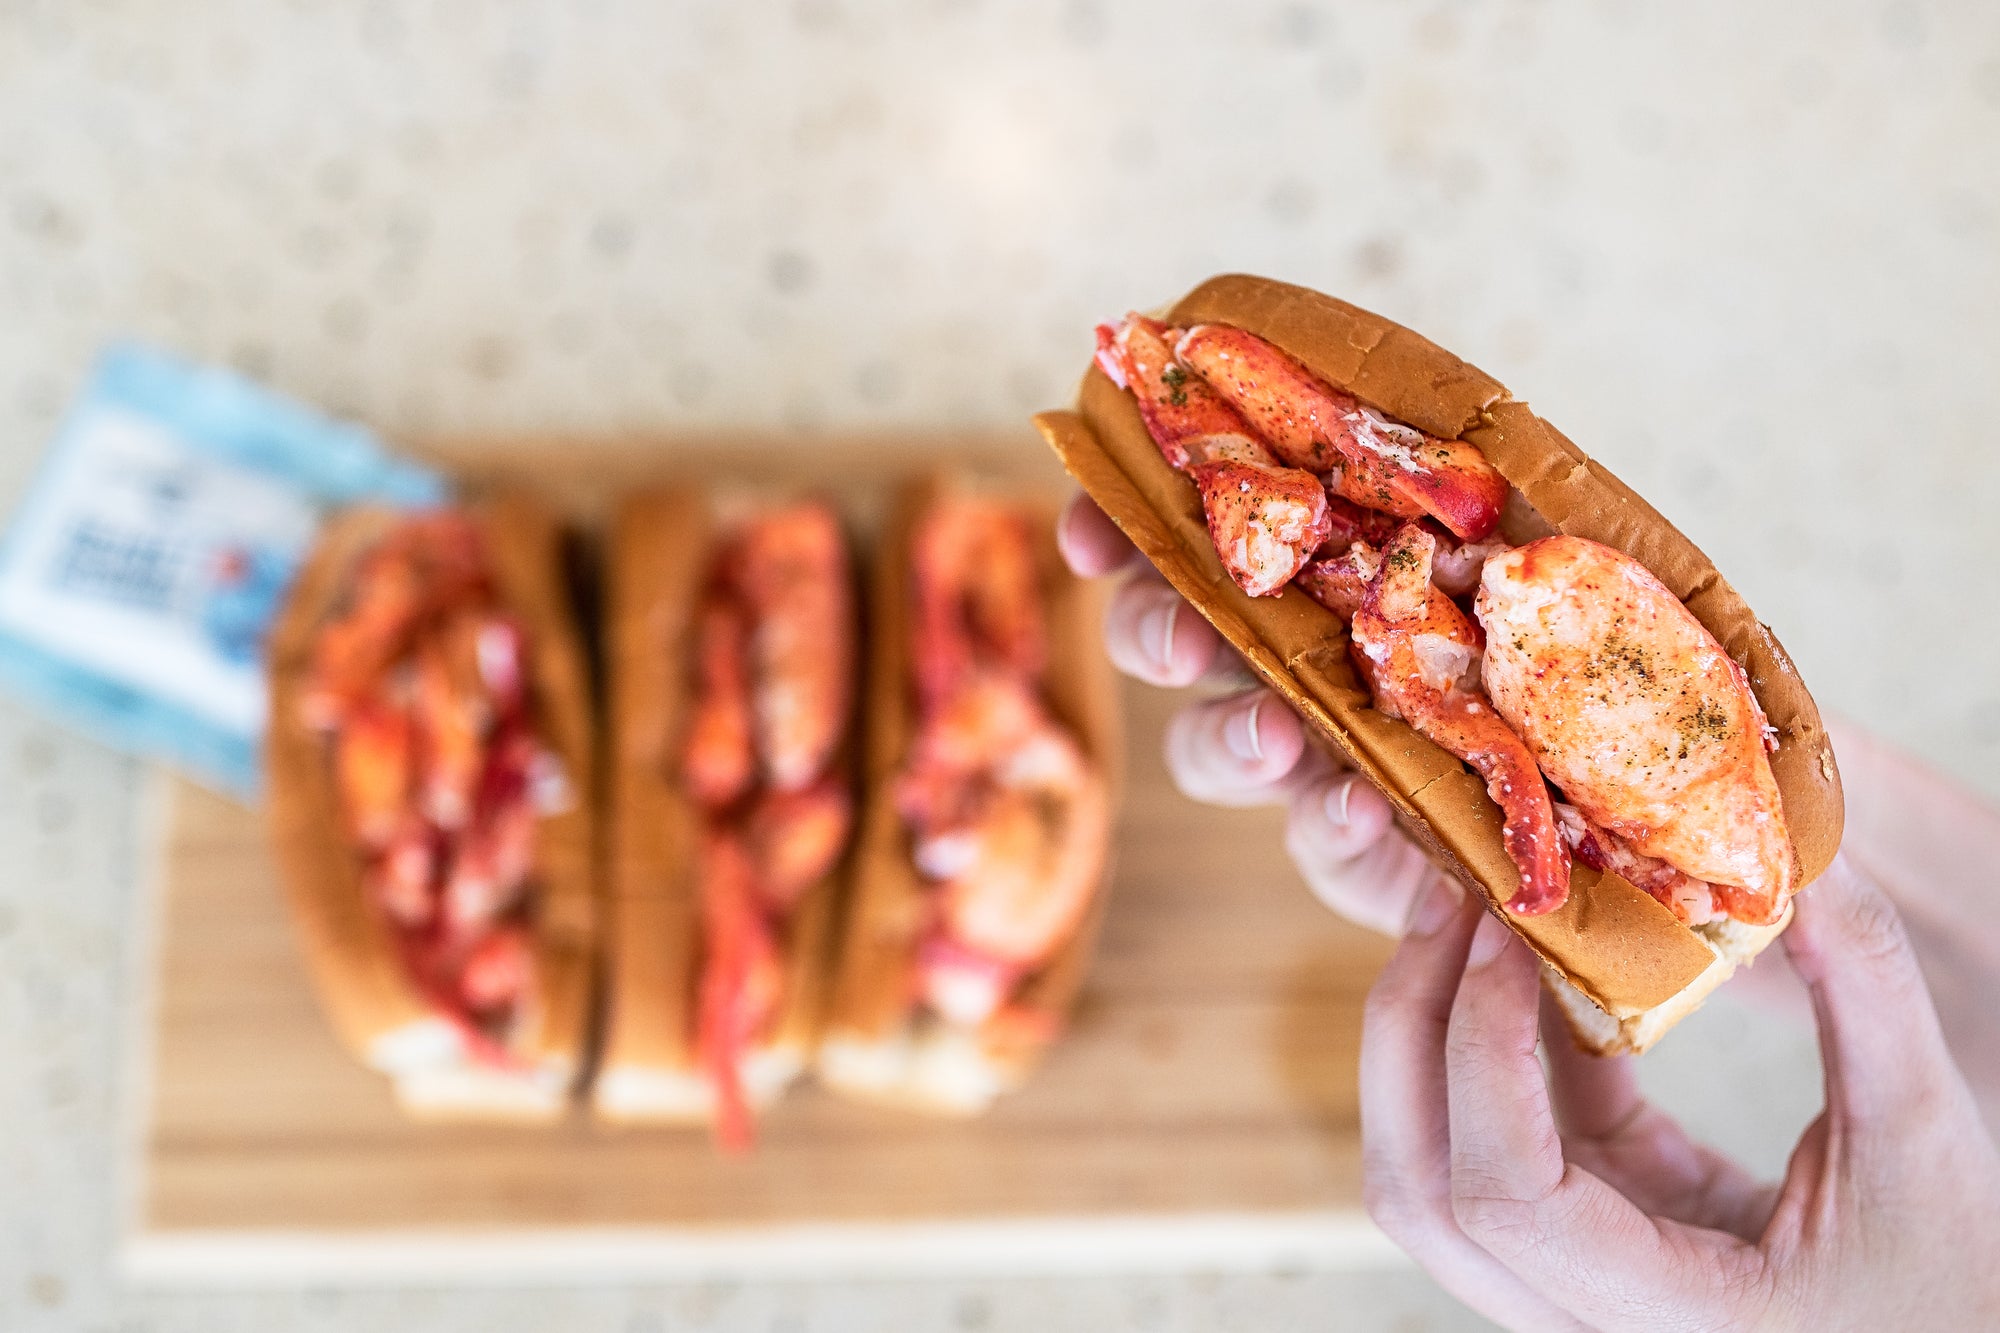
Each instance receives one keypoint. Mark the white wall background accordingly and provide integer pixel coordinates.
(1748, 255)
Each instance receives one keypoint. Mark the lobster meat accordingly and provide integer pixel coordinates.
(1421, 658)
(1637, 713)
(1573, 666)
(1009, 819)
(773, 690)
(419, 683)
(1267, 517)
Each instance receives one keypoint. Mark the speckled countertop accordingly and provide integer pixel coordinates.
(1747, 255)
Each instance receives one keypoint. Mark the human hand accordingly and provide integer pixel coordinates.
(1927, 840)
(1244, 746)
(1931, 843)
(1567, 1200)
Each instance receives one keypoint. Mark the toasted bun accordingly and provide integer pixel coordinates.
(1613, 943)
(1593, 1029)
(662, 546)
(875, 1049)
(375, 1010)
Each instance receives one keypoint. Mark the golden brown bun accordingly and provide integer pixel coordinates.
(1592, 1029)
(368, 996)
(662, 546)
(871, 1049)
(1614, 943)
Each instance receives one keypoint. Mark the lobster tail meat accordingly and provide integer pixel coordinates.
(1638, 714)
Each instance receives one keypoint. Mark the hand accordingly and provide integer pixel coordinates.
(1245, 747)
(1571, 1202)
(1931, 843)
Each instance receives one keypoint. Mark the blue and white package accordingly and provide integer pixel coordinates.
(150, 555)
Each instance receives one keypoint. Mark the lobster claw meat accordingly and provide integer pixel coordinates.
(1340, 582)
(1310, 424)
(427, 562)
(1186, 419)
(1030, 881)
(1267, 518)
(1267, 521)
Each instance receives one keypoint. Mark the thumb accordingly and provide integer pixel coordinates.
(1879, 1038)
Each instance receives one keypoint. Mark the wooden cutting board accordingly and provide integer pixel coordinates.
(1201, 1111)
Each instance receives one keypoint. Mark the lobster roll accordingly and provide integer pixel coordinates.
(429, 758)
(992, 768)
(1565, 703)
(732, 647)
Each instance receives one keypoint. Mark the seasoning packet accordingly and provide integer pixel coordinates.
(151, 553)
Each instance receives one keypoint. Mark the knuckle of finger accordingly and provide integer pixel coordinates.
(1875, 935)
(1500, 1221)
(1396, 1210)
(1750, 1292)
(1473, 1056)
(1390, 1000)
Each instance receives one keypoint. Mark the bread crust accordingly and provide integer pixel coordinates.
(872, 1002)
(663, 544)
(1612, 942)
(368, 997)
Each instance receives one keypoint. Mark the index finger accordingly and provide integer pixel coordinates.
(1564, 1231)
(1091, 544)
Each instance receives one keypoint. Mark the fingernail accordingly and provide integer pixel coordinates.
(1436, 907)
(1240, 733)
(1487, 941)
(1156, 632)
(1335, 802)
